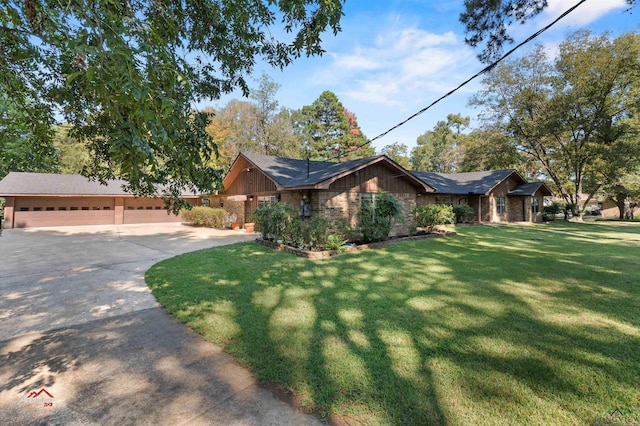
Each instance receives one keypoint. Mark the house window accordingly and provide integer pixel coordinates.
(535, 207)
(50, 209)
(73, 208)
(62, 208)
(106, 208)
(24, 209)
(85, 208)
(37, 209)
(444, 200)
(368, 199)
(500, 205)
(263, 200)
(95, 208)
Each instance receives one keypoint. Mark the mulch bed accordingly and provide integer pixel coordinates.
(350, 247)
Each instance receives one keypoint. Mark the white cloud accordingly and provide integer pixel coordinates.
(396, 66)
(586, 13)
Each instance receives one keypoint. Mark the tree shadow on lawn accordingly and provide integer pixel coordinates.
(485, 328)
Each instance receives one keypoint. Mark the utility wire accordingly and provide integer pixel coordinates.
(478, 74)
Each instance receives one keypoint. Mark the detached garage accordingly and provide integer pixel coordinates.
(43, 199)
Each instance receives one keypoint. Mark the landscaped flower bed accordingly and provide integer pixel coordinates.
(350, 247)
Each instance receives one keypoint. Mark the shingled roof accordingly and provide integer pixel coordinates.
(289, 173)
(24, 183)
(529, 189)
(476, 183)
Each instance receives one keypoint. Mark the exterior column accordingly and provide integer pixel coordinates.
(8, 212)
(119, 211)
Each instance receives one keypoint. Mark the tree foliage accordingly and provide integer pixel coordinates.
(488, 149)
(573, 115)
(258, 125)
(126, 74)
(438, 150)
(24, 145)
(329, 131)
(399, 153)
(72, 155)
(488, 21)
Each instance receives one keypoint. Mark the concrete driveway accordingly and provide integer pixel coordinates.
(78, 320)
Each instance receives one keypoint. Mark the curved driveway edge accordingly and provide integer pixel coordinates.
(78, 320)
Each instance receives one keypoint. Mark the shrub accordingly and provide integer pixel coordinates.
(549, 212)
(463, 213)
(428, 217)
(204, 216)
(282, 222)
(375, 221)
(335, 242)
(315, 232)
(278, 221)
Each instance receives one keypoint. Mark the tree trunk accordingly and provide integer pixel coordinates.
(623, 202)
(628, 210)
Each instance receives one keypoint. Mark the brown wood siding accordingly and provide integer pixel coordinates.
(250, 182)
(374, 178)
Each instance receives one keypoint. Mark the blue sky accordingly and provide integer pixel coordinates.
(393, 58)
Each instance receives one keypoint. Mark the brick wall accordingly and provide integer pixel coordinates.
(336, 206)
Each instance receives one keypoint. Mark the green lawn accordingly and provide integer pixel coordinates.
(497, 325)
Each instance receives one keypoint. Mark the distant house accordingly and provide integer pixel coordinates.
(43, 199)
(336, 191)
(495, 196)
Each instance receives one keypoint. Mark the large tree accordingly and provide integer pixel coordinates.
(488, 149)
(439, 150)
(488, 21)
(330, 131)
(257, 125)
(571, 114)
(399, 153)
(25, 146)
(126, 74)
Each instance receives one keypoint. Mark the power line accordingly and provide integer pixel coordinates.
(478, 74)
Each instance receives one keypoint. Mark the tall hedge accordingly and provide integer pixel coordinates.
(432, 215)
(204, 216)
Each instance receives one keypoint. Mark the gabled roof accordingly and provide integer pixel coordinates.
(530, 189)
(475, 183)
(24, 183)
(289, 173)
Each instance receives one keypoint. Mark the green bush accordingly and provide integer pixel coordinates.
(463, 213)
(549, 212)
(282, 222)
(374, 222)
(204, 216)
(428, 217)
(315, 232)
(335, 242)
(278, 222)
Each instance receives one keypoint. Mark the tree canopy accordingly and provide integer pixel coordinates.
(575, 115)
(329, 131)
(487, 21)
(126, 75)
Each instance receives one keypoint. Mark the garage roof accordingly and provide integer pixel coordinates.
(24, 183)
